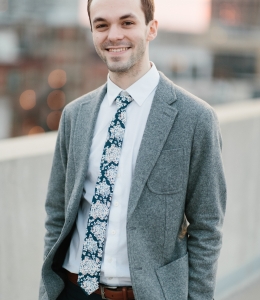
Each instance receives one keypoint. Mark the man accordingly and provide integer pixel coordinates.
(121, 191)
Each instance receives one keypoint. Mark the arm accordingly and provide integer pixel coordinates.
(56, 191)
(205, 207)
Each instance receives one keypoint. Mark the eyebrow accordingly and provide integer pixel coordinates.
(127, 16)
(99, 19)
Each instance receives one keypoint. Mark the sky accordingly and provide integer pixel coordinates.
(173, 15)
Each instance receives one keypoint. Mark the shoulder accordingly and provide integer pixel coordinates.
(75, 105)
(196, 120)
(187, 104)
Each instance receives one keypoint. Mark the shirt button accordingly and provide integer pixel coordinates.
(116, 204)
(110, 260)
(113, 232)
(118, 175)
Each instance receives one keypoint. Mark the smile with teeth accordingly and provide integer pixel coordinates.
(118, 50)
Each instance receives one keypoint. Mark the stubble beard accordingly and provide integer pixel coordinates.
(115, 64)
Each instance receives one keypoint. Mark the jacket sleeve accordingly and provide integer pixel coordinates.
(55, 199)
(205, 206)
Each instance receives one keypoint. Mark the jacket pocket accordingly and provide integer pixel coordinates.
(167, 174)
(174, 279)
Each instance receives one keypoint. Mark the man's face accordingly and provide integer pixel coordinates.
(120, 34)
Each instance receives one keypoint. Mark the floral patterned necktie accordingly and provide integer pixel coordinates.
(92, 253)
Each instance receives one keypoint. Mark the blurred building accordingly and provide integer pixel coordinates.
(59, 12)
(46, 61)
(242, 13)
(236, 23)
(221, 64)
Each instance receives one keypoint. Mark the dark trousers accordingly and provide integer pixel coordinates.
(74, 292)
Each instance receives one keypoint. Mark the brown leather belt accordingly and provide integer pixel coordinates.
(119, 293)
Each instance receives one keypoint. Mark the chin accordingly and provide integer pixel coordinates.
(118, 67)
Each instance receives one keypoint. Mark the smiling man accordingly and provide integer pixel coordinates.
(137, 193)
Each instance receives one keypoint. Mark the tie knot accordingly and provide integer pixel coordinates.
(123, 99)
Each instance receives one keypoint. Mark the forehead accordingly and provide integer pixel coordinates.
(114, 9)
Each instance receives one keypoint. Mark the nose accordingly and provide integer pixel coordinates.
(115, 33)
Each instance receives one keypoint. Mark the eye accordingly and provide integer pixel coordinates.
(128, 23)
(100, 26)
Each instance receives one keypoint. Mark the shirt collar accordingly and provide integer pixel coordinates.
(139, 91)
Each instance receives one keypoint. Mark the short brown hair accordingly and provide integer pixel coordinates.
(147, 7)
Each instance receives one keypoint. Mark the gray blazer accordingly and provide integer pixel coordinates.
(178, 175)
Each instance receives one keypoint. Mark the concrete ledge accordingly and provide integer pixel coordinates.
(233, 112)
(240, 255)
(28, 146)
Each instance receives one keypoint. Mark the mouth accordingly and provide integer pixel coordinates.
(118, 50)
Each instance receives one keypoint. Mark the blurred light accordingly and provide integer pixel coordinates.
(56, 100)
(36, 130)
(9, 45)
(28, 99)
(83, 14)
(27, 125)
(230, 13)
(53, 120)
(184, 16)
(57, 79)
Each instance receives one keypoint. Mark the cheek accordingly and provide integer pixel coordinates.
(97, 40)
(139, 38)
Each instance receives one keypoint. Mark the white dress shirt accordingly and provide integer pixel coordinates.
(115, 265)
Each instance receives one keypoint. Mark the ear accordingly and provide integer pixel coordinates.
(152, 30)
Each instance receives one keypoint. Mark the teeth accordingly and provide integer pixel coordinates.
(117, 50)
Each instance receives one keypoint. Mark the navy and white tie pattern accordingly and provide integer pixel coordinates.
(92, 253)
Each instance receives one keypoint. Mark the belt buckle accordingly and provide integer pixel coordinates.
(102, 290)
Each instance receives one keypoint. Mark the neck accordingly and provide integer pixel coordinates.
(125, 79)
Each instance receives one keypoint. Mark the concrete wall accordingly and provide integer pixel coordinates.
(24, 170)
(240, 257)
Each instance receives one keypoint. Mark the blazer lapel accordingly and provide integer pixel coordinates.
(159, 124)
(84, 131)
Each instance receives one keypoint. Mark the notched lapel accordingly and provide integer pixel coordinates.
(159, 124)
